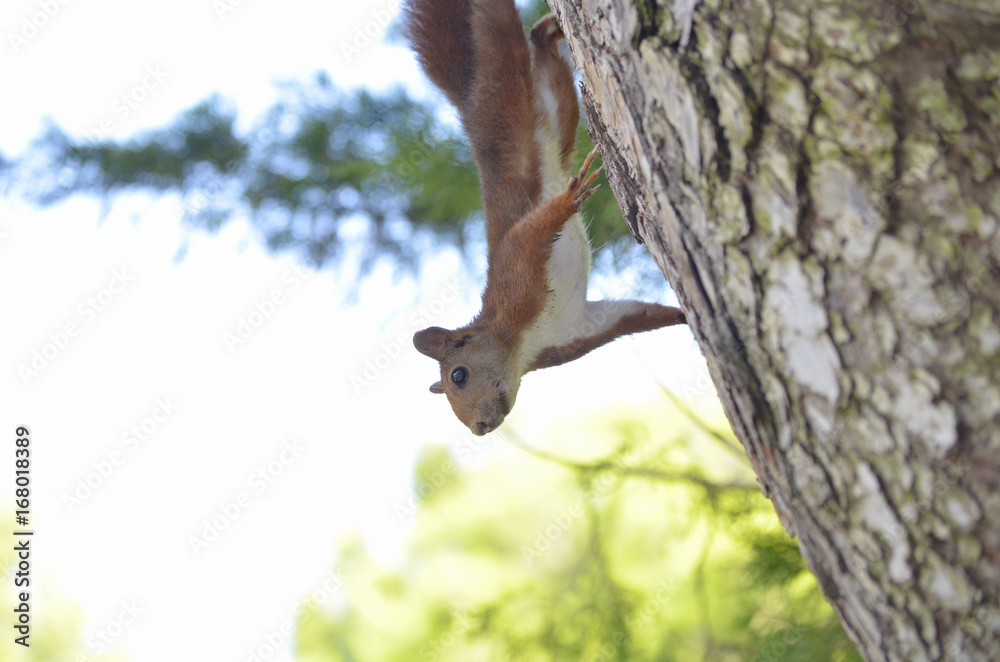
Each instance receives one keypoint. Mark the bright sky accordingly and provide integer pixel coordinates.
(145, 427)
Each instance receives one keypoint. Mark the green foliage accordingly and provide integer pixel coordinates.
(322, 171)
(662, 549)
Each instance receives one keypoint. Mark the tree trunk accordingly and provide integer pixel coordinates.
(819, 182)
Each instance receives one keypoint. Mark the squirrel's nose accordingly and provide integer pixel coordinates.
(483, 428)
(491, 416)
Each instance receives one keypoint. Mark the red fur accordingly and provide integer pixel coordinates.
(449, 63)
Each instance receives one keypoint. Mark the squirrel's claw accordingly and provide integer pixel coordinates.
(579, 188)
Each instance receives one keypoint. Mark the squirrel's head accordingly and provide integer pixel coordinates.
(477, 375)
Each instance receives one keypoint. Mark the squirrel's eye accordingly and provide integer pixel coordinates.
(459, 375)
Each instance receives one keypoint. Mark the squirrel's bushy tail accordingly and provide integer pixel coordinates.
(440, 32)
(477, 53)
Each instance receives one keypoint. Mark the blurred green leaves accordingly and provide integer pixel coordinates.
(321, 173)
(662, 549)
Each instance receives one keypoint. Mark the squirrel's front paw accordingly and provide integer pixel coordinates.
(579, 188)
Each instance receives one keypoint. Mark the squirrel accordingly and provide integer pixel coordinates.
(518, 107)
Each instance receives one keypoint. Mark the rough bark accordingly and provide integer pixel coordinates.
(819, 182)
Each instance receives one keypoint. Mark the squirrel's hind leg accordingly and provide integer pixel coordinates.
(555, 92)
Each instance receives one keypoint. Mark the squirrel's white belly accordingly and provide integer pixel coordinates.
(564, 316)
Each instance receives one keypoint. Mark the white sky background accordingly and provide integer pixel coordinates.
(159, 338)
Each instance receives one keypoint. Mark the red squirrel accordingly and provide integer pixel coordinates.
(518, 107)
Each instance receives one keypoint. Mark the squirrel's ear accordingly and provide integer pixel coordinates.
(437, 388)
(431, 342)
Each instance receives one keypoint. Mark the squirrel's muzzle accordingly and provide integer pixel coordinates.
(491, 415)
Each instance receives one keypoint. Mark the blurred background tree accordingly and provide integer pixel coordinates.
(321, 171)
(640, 537)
